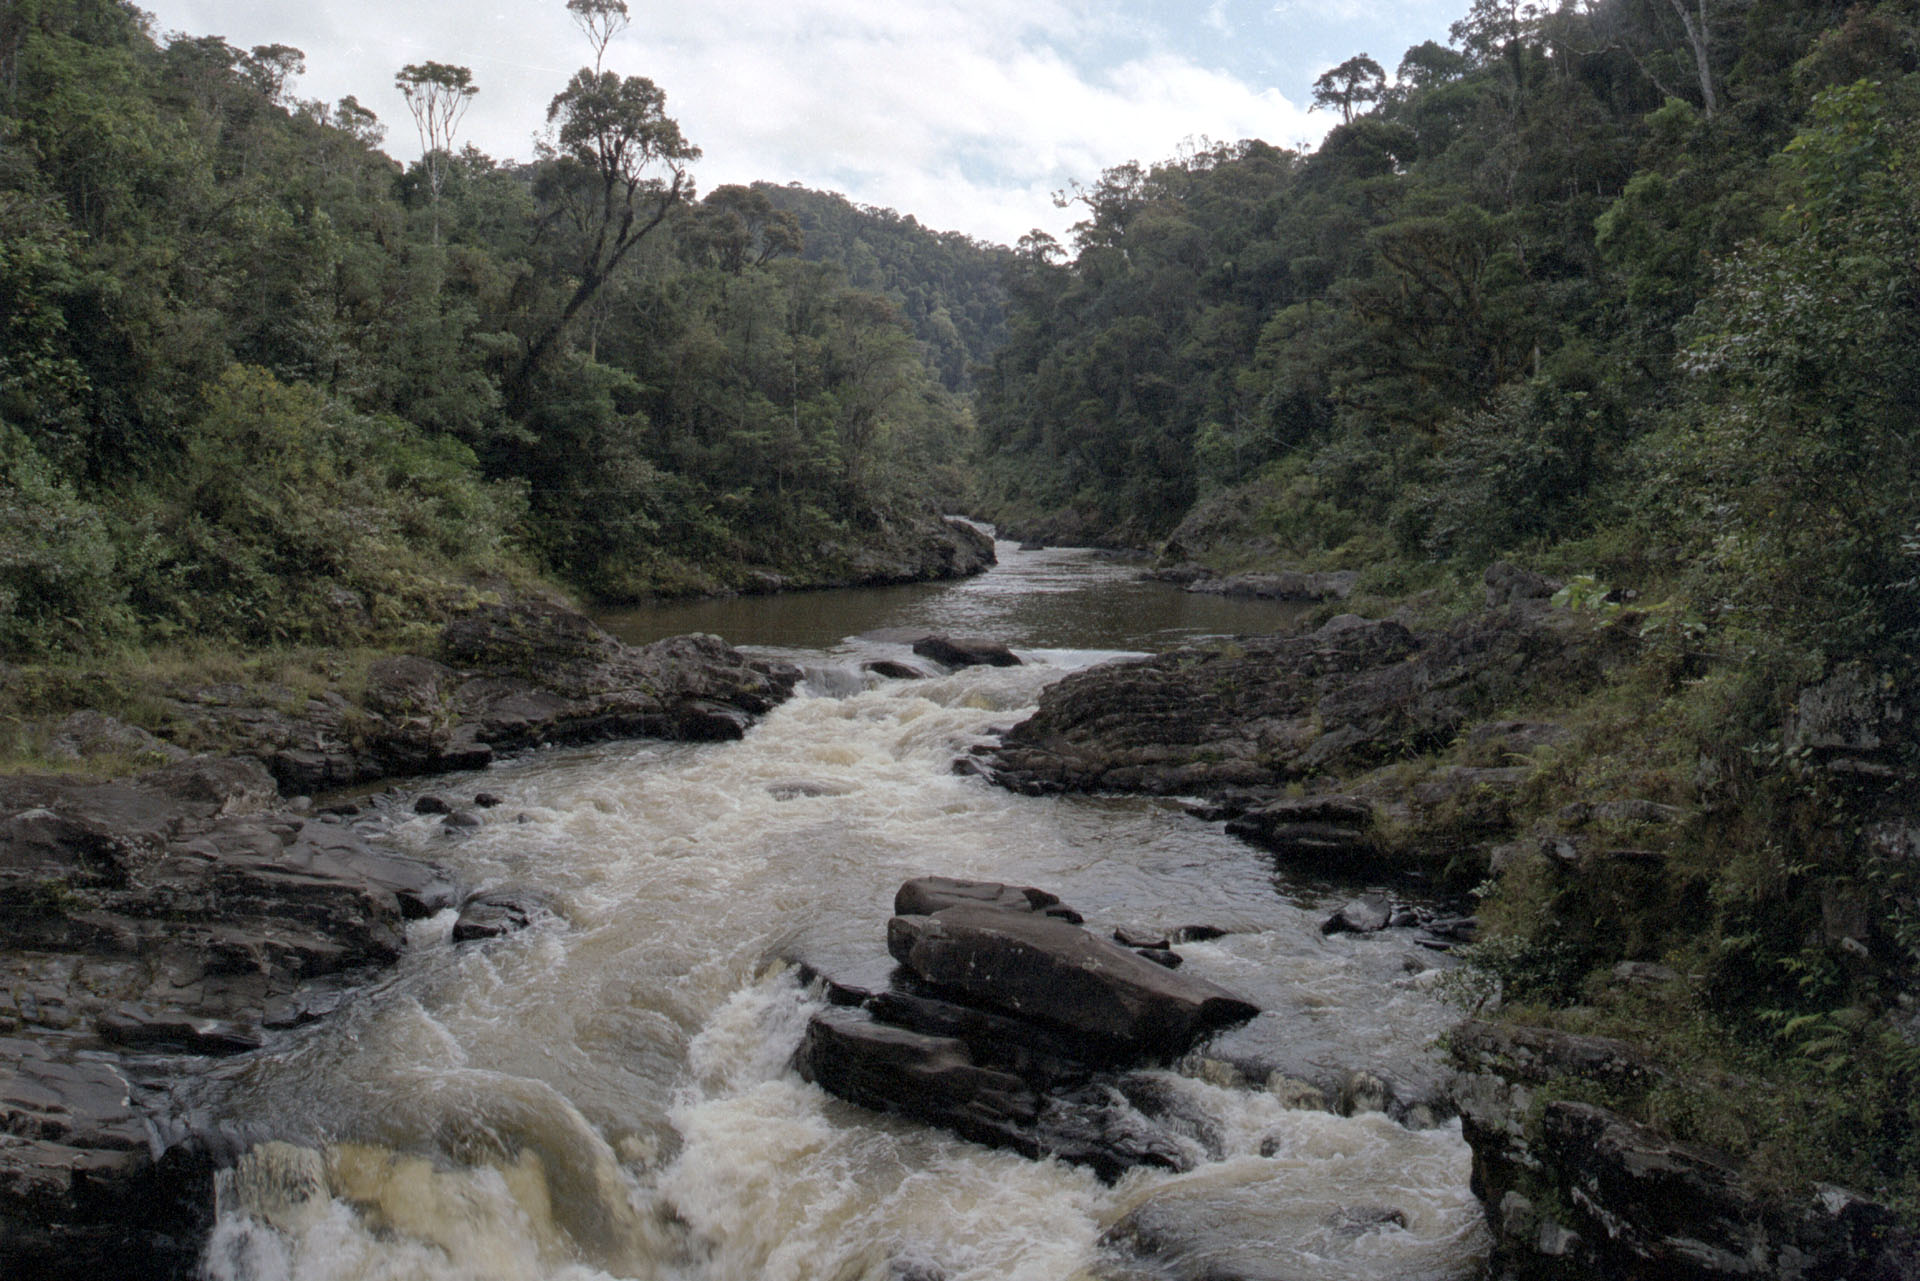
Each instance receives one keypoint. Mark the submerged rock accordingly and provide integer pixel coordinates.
(497, 913)
(953, 651)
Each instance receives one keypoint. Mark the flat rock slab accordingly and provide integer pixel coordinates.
(925, 895)
(1065, 978)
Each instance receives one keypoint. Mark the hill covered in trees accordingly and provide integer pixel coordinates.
(1624, 292)
(260, 383)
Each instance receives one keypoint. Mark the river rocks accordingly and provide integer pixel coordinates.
(1327, 834)
(1575, 1190)
(925, 895)
(893, 670)
(83, 1192)
(497, 913)
(1368, 915)
(507, 677)
(950, 651)
(1011, 1025)
(150, 927)
(1248, 725)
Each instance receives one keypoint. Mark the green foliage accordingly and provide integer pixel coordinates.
(263, 384)
(293, 518)
(60, 588)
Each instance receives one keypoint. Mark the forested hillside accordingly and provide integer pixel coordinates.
(951, 288)
(260, 383)
(1624, 293)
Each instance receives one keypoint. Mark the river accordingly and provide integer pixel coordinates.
(607, 1093)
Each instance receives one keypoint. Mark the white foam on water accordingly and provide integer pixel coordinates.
(609, 1094)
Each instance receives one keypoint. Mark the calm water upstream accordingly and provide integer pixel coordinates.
(607, 1094)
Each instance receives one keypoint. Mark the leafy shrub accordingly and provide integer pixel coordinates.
(58, 591)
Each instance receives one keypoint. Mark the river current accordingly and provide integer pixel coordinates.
(608, 1093)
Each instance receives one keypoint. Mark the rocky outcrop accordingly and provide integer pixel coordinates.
(150, 928)
(1268, 710)
(507, 677)
(1120, 1006)
(1575, 1190)
(1252, 723)
(1011, 1025)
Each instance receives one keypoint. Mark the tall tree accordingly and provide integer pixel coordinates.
(601, 21)
(620, 167)
(1351, 85)
(438, 94)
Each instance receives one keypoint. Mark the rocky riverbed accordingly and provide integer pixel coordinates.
(1366, 751)
(158, 929)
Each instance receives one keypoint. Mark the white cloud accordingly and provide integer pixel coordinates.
(964, 113)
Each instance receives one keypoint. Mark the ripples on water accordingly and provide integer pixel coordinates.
(607, 1093)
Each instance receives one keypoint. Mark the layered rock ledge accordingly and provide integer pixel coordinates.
(1575, 1190)
(159, 929)
(505, 678)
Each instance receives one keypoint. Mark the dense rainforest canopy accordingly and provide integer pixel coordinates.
(1626, 292)
(261, 383)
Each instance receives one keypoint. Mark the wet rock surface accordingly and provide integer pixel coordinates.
(965, 651)
(153, 928)
(1291, 585)
(155, 931)
(1013, 1026)
(1264, 711)
(1574, 1190)
(1310, 746)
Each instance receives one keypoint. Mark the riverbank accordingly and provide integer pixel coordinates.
(158, 923)
(1634, 1107)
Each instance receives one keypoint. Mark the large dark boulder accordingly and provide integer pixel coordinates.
(937, 1079)
(1065, 978)
(1010, 1025)
(951, 651)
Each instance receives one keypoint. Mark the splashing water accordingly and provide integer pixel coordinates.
(608, 1093)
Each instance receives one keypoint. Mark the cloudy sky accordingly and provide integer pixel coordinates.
(967, 114)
